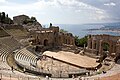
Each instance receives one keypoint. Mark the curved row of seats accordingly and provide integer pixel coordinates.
(7, 45)
(25, 57)
(4, 51)
(28, 60)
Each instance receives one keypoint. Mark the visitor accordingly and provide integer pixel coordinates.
(73, 76)
(87, 74)
(47, 78)
(96, 69)
(12, 68)
(104, 72)
(82, 78)
(48, 68)
(79, 77)
(24, 70)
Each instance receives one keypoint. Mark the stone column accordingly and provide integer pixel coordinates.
(100, 47)
(97, 45)
(118, 48)
(93, 45)
(113, 48)
(84, 46)
(110, 48)
(89, 44)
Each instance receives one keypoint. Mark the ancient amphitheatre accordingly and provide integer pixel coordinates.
(31, 52)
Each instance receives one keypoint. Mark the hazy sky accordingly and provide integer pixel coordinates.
(64, 11)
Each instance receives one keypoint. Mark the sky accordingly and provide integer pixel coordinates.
(64, 11)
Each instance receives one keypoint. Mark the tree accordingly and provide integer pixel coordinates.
(25, 21)
(30, 21)
(80, 42)
(3, 17)
(64, 31)
(33, 19)
(50, 24)
(7, 16)
(77, 40)
(105, 47)
(0, 16)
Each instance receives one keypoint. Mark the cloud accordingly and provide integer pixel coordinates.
(2, 1)
(44, 4)
(111, 8)
(110, 4)
(24, 8)
(57, 10)
(75, 4)
(89, 11)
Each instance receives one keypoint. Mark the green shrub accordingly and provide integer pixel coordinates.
(80, 42)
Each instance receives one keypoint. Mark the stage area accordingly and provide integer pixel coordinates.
(73, 59)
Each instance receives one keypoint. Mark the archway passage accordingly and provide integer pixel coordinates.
(117, 59)
(45, 42)
(105, 51)
(105, 46)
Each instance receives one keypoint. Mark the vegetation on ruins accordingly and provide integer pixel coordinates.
(4, 18)
(63, 31)
(106, 47)
(31, 20)
(80, 42)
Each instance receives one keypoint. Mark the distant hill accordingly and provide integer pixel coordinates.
(114, 25)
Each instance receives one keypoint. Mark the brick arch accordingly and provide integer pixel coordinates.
(106, 42)
(109, 44)
(95, 43)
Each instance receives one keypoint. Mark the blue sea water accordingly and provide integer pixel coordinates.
(82, 30)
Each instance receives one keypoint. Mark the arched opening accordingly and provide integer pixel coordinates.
(91, 45)
(95, 46)
(45, 42)
(39, 43)
(105, 51)
(117, 59)
(105, 46)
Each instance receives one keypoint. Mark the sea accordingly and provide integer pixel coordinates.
(82, 30)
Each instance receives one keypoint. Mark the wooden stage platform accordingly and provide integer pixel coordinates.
(73, 59)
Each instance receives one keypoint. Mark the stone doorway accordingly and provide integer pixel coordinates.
(45, 42)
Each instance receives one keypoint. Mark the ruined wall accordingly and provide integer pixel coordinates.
(53, 37)
(19, 19)
(95, 43)
(66, 39)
